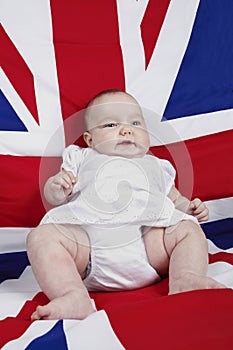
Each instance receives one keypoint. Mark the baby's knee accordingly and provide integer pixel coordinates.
(191, 227)
(39, 235)
(185, 228)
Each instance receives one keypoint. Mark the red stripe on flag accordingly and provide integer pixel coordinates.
(14, 327)
(193, 320)
(87, 49)
(151, 25)
(18, 72)
(211, 164)
(221, 256)
(21, 203)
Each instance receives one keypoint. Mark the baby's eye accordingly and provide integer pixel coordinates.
(110, 125)
(136, 122)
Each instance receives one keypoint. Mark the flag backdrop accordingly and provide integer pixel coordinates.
(176, 58)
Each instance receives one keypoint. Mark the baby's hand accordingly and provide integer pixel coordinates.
(64, 182)
(198, 209)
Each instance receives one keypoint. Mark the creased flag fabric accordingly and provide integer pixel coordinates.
(125, 320)
(176, 58)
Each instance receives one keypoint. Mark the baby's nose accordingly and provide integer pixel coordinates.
(126, 130)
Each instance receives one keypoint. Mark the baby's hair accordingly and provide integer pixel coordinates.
(103, 93)
(100, 94)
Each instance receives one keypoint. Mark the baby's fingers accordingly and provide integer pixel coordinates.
(59, 183)
(71, 176)
(203, 215)
(196, 203)
(68, 179)
(199, 210)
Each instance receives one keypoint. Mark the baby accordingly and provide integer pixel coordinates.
(119, 221)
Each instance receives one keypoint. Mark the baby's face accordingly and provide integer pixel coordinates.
(116, 126)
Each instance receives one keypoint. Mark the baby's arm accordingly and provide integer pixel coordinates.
(58, 187)
(195, 207)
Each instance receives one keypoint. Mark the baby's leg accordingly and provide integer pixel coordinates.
(59, 256)
(155, 249)
(186, 247)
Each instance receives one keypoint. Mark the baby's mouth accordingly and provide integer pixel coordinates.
(126, 142)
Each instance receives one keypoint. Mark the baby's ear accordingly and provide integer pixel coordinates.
(87, 138)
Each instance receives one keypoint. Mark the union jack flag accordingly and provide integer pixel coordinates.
(175, 57)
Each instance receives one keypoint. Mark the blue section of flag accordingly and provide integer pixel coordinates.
(54, 339)
(220, 232)
(12, 265)
(205, 79)
(9, 120)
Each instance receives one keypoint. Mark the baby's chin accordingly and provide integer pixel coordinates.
(126, 153)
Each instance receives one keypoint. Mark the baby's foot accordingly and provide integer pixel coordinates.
(191, 281)
(73, 305)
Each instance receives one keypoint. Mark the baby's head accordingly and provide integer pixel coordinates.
(115, 125)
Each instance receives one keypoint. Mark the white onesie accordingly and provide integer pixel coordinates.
(113, 198)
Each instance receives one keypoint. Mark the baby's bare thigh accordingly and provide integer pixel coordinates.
(74, 240)
(155, 248)
(75, 234)
(78, 242)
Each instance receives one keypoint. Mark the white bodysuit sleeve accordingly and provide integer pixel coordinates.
(168, 175)
(72, 158)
